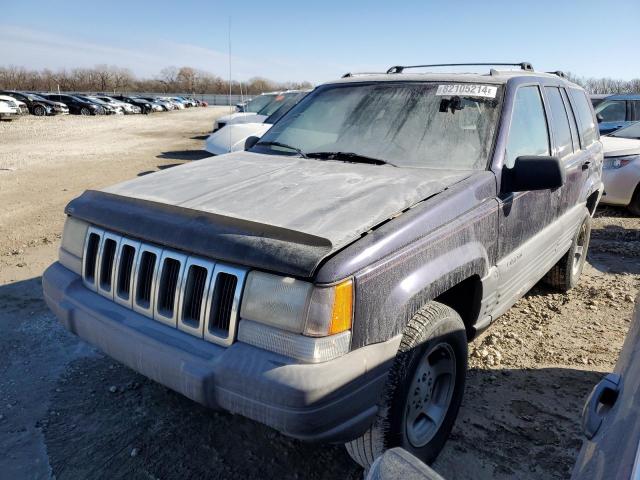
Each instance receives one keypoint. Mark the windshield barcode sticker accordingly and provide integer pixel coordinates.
(468, 89)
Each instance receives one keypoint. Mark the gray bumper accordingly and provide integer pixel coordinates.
(333, 401)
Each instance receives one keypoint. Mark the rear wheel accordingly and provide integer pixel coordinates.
(634, 206)
(565, 274)
(423, 391)
(39, 111)
(85, 111)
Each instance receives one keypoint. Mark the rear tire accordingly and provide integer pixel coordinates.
(565, 274)
(424, 389)
(39, 111)
(634, 206)
(85, 111)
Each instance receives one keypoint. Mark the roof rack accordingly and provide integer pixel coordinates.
(559, 73)
(353, 74)
(400, 68)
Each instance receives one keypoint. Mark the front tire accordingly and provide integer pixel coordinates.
(39, 111)
(85, 111)
(565, 274)
(424, 389)
(634, 206)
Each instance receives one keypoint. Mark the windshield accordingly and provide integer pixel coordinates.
(404, 124)
(284, 107)
(32, 96)
(258, 103)
(632, 131)
(277, 102)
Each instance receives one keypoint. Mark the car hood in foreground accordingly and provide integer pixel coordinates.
(618, 147)
(282, 213)
(334, 200)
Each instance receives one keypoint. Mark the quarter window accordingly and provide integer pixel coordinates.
(586, 120)
(559, 122)
(528, 134)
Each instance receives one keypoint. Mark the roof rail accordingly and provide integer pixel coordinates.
(353, 74)
(400, 68)
(559, 73)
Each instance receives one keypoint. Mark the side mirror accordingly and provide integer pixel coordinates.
(533, 173)
(250, 142)
(599, 117)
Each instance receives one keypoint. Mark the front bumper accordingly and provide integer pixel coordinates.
(334, 401)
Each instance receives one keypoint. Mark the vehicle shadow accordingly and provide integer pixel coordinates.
(185, 155)
(160, 167)
(200, 137)
(513, 422)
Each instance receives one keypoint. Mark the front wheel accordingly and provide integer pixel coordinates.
(39, 111)
(634, 206)
(424, 389)
(565, 274)
(85, 111)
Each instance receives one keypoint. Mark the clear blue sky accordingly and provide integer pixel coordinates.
(320, 40)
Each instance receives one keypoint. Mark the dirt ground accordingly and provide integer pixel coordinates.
(69, 412)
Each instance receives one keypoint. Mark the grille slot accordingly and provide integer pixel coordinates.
(222, 303)
(145, 279)
(106, 264)
(194, 293)
(90, 258)
(198, 296)
(125, 272)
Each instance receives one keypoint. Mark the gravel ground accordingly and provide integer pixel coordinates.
(69, 412)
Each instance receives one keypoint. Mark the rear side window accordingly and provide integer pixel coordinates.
(586, 121)
(528, 134)
(559, 122)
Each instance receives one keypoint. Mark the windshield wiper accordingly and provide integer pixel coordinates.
(348, 157)
(284, 145)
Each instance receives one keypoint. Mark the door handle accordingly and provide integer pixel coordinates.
(585, 165)
(602, 398)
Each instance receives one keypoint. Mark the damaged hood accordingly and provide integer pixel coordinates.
(333, 200)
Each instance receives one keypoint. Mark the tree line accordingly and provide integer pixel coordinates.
(605, 85)
(109, 78)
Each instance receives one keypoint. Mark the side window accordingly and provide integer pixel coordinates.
(612, 111)
(572, 120)
(584, 114)
(528, 134)
(559, 122)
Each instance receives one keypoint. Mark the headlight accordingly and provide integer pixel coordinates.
(296, 318)
(618, 162)
(72, 245)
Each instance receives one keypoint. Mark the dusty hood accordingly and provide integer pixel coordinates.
(232, 138)
(333, 200)
(618, 147)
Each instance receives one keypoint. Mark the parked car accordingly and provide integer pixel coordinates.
(260, 116)
(108, 108)
(38, 105)
(233, 137)
(611, 419)
(9, 109)
(162, 104)
(251, 108)
(127, 108)
(326, 282)
(617, 111)
(621, 170)
(146, 106)
(15, 103)
(76, 105)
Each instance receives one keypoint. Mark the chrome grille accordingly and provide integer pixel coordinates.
(196, 295)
